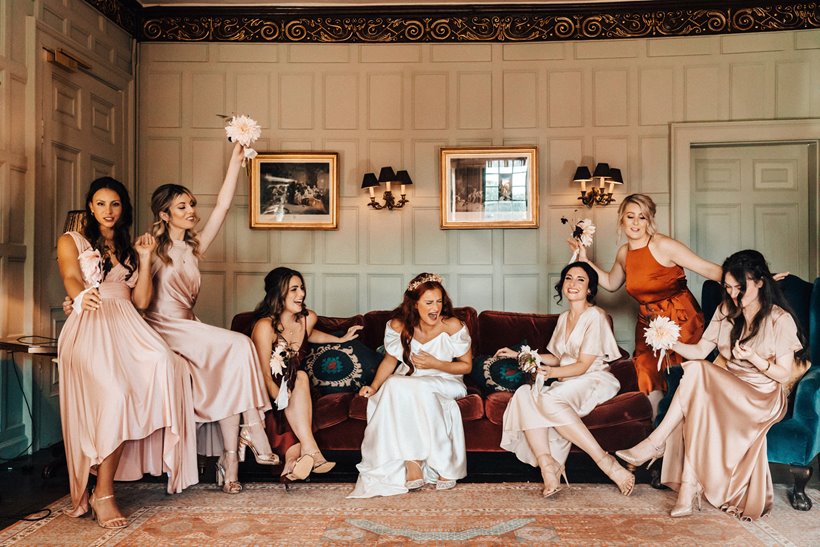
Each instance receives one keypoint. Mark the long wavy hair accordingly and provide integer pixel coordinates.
(161, 201)
(745, 266)
(408, 314)
(592, 277)
(123, 249)
(277, 283)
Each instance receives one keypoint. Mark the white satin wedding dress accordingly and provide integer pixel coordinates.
(414, 418)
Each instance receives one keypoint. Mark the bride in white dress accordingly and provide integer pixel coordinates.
(542, 420)
(414, 433)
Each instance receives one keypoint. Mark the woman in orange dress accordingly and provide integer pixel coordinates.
(652, 266)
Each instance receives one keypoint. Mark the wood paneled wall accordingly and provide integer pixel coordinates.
(583, 102)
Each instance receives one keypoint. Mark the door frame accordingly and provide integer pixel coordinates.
(684, 136)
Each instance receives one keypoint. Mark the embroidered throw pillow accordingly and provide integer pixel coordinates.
(498, 373)
(341, 367)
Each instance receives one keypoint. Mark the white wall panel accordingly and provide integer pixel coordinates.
(162, 162)
(771, 221)
(212, 309)
(430, 98)
(654, 176)
(254, 246)
(475, 290)
(520, 99)
(793, 91)
(753, 43)
(461, 53)
(252, 93)
(247, 53)
(248, 291)
(565, 155)
(318, 53)
(296, 101)
(610, 90)
(748, 91)
(475, 247)
(390, 53)
(298, 247)
(658, 100)
(679, 47)
(718, 219)
(565, 98)
(717, 175)
(350, 166)
(384, 291)
(205, 107)
(382, 153)
(208, 165)
(702, 92)
(341, 246)
(385, 237)
(475, 98)
(607, 49)
(521, 248)
(534, 52)
(341, 106)
(425, 171)
(385, 103)
(429, 242)
(163, 89)
(15, 206)
(341, 294)
(521, 292)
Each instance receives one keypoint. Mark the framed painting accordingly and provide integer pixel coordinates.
(492, 187)
(294, 190)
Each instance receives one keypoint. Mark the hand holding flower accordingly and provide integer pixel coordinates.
(245, 131)
(528, 359)
(662, 334)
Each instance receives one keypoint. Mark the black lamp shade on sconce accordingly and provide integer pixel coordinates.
(601, 170)
(615, 176)
(369, 180)
(582, 173)
(403, 177)
(387, 174)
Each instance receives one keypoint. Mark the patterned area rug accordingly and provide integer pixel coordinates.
(485, 514)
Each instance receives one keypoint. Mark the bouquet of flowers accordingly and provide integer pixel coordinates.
(528, 359)
(280, 360)
(91, 266)
(661, 335)
(581, 232)
(245, 131)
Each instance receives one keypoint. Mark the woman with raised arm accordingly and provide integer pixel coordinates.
(542, 421)
(281, 332)
(125, 397)
(713, 438)
(652, 266)
(414, 433)
(227, 377)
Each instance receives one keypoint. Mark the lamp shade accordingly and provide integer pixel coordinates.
(403, 177)
(615, 176)
(601, 170)
(387, 174)
(369, 180)
(582, 173)
(74, 221)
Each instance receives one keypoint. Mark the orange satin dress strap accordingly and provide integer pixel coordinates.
(660, 290)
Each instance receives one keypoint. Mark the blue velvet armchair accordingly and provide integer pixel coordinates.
(794, 441)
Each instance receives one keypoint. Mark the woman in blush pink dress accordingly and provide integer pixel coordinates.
(125, 397)
(227, 378)
(713, 438)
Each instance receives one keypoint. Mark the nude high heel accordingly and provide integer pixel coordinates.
(246, 442)
(623, 479)
(558, 471)
(111, 524)
(229, 487)
(644, 451)
(690, 500)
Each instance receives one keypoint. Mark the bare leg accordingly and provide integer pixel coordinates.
(230, 441)
(551, 470)
(257, 432)
(655, 397)
(107, 509)
(300, 415)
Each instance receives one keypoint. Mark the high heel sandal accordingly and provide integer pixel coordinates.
(686, 509)
(623, 479)
(558, 471)
(414, 484)
(321, 466)
(644, 451)
(110, 524)
(229, 487)
(301, 470)
(246, 442)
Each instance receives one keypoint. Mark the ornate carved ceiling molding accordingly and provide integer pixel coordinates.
(482, 23)
(125, 13)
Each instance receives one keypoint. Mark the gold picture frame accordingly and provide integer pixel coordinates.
(489, 187)
(294, 190)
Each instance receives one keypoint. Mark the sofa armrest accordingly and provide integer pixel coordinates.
(807, 405)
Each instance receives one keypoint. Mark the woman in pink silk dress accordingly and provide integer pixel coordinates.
(713, 438)
(227, 378)
(125, 397)
(542, 421)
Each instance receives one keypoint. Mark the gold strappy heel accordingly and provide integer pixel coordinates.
(111, 524)
(229, 487)
(246, 442)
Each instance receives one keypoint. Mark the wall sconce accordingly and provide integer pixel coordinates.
(387, 176)
(597, 194)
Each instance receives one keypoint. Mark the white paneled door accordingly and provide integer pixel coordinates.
(83, 138)
(753, 197)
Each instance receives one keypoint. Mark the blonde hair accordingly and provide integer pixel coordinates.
(647, 207)
(161, 201)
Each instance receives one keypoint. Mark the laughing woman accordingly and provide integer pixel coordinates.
(125, 397)
(713, 439)
(227, 378)
(414, 433)
(542, 420)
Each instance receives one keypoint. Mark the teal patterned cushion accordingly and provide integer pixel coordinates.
(498, 373)
(341, 367)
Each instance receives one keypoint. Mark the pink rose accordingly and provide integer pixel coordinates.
(91, 266)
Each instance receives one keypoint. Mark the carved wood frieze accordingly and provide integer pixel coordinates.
(459, 23)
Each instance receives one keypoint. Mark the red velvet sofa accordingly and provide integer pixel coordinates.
(340, 418)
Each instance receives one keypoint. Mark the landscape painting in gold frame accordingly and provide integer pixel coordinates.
(489, 187)
(294, 190)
